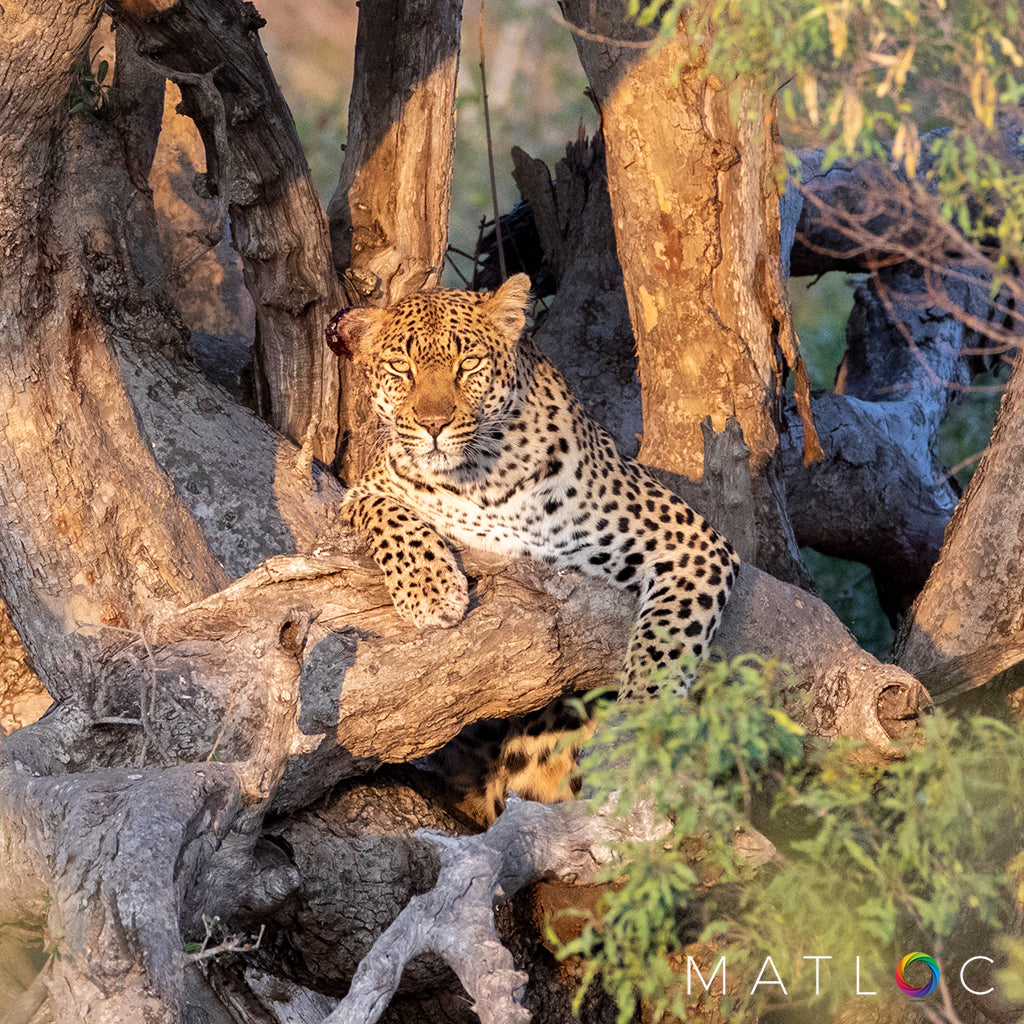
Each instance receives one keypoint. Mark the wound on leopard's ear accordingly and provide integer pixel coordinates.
(345, 334)
(506, 307)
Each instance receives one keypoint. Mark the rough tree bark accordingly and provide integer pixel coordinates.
(256, 167)
(919, 331)
(586, 332)
(389, 213)
(696, 187)
(76, 479)
(967, 625)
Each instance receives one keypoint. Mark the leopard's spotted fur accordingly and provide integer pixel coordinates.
(488, 446)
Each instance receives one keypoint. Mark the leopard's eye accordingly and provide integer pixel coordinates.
(470, 363)
(399, 367)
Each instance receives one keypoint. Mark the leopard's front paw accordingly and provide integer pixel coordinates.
(439, 600)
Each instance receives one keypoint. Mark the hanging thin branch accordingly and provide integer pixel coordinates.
(490, 150)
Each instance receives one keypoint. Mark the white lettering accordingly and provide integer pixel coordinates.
(778, 981)
(858, 983)
(690, 962)
(973, 991)
(817, 971)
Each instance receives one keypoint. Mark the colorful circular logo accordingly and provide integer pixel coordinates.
(918, 958)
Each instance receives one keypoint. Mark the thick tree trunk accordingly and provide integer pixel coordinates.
(697, 220)
(94, 533)
(389, 213)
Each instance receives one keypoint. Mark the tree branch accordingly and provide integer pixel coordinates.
(455, 919)
(278, 225)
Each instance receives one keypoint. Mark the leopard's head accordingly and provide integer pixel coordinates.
(440, 366)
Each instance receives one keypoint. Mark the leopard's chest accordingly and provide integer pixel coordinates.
(519, 511)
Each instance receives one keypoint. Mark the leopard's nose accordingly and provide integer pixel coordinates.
(433, 425)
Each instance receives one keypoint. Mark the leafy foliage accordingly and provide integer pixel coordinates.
(90, 93)
(873, 862)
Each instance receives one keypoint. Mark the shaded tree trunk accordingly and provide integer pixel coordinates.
(256, 168)
(586, 333)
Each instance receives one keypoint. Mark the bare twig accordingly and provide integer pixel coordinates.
(596, 37)
(490, 151)
(146, 704)
(232, 944)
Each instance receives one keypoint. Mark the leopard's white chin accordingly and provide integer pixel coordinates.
(436, 461)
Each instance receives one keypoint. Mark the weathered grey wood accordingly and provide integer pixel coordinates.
(109, 882)
(877, 459)
(388, 694)
(456, 919)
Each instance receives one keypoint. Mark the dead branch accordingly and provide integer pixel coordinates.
(975, 628)
(100, 854)
(456, 918)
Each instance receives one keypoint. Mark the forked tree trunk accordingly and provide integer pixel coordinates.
(94, 534)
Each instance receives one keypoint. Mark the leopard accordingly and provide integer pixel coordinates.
(484, 445)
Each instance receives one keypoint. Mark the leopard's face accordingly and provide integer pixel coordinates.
(441, 369)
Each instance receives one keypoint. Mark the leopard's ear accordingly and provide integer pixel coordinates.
(506, 307)
(350, 331)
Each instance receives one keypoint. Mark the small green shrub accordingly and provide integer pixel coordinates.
(90, 92)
